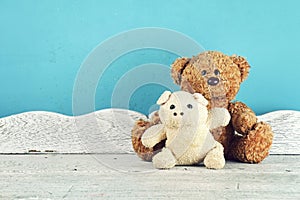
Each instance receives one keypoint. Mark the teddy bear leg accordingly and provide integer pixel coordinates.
(164, 159)
(136, 135)
(253, 147)
(215, 157)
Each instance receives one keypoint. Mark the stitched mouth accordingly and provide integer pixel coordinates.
(172, 124)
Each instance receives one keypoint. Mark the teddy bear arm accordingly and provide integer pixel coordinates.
(218, 117)
(242, 117)
(153, 135)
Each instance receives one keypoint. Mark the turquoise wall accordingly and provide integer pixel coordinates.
(44, 43)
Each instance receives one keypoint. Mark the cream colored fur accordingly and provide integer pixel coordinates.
(186, 122)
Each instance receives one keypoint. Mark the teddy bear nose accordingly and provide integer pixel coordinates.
(213, 81)
(175, 114)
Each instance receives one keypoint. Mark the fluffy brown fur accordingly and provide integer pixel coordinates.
(217, 77)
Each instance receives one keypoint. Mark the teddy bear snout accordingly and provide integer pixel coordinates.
(213, 81)
(175, 113)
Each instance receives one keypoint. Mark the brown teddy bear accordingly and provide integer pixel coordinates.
(217, 77)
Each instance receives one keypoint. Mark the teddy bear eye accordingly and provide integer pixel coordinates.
(172, 107)
(189, 106)
(217, 72)
(203, 73)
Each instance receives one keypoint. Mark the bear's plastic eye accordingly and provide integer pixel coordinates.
(172, 107)
(203, 73)
(189, 106)
(217, 72)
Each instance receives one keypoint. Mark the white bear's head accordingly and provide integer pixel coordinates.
(182, 109)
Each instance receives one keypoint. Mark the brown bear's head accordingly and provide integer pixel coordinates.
(213, 74)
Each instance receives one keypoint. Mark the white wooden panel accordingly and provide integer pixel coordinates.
(108, 131)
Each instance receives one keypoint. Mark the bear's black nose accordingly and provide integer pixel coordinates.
(213, 81)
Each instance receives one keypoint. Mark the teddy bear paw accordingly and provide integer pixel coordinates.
(164, 159)
(215, 158)
(214, 163)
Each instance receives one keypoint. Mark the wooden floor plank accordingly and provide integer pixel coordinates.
(111, 176)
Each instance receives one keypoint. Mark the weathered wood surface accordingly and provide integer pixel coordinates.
(105, 131)
(124, 176)
(108, 131)
(57, 169)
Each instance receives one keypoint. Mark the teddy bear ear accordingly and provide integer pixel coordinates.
(243, 65)
(177, 68)
(200, 98)
(164, 97)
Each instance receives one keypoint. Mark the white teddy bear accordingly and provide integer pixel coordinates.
(186, 122)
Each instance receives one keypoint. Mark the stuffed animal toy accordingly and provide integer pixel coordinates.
(217, 77)
(185, 125)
